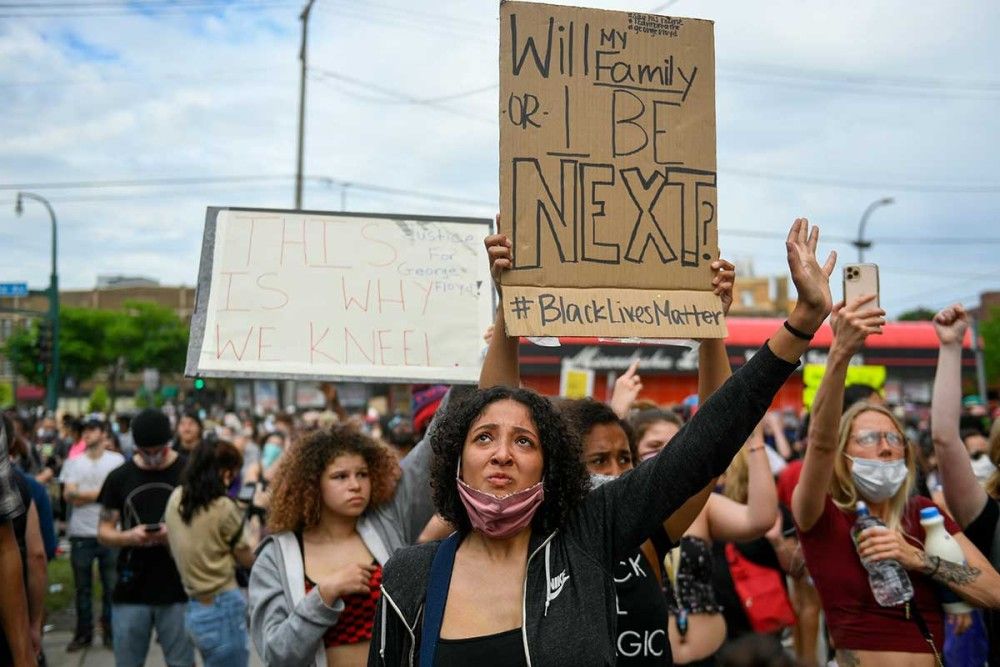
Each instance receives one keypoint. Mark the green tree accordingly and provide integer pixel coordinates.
(143, 335)
(98, 399)
(82, 345)
(989, 332)
(919, 314)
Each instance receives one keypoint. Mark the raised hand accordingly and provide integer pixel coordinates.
(722, 284)
(854, 322)
(812, 281)
(498, 249)
(627, 388)
(950, 324)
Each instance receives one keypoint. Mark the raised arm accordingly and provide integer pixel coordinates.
(501, 366)
(851, 324)
(962, 492)
(621, 514)
(730, 521)
(713, 371)
(713, 359)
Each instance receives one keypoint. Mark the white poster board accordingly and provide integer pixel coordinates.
(340, 296)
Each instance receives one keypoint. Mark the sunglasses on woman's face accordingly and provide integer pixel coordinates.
(873, 438)
(978, 455)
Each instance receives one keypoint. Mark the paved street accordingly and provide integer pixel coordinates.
(55, 652)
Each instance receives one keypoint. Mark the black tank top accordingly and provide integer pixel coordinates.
(503, 649)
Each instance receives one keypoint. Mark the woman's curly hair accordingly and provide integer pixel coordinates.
(566, 479)
(296, 502)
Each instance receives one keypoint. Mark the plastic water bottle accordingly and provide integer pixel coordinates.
(938, 542)
(888, 580)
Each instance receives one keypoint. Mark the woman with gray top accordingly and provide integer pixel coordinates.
(337, 513)
(526, 579)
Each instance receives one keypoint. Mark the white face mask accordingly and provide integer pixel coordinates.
(983, 468)
(878, 480)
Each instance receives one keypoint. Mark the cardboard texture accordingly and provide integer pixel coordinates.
(326, 296)
(607, 168)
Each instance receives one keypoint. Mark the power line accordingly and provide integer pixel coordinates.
(122, 10)
(244, 179)
(399, 95)
(979, 188)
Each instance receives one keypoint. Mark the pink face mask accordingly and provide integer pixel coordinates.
(501, 518)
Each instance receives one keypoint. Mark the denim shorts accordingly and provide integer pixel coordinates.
(219, 630)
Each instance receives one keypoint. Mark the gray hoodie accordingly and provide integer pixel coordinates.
(568, 606)
(286, 624)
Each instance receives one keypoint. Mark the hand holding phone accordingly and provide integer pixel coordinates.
(861, 280)
(151, 527)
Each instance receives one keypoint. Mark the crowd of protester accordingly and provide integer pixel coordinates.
(495, 526)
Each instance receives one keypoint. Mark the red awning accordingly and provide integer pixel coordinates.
(30, 392)
(753, 331)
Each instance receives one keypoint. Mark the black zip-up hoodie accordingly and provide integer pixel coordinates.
(568, 600)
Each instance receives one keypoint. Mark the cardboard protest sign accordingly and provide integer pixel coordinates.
(325, 296)
(608, 173)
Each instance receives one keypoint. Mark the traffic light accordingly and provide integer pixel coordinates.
(199, 384)
(43, 346)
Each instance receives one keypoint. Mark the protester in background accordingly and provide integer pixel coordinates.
(336, 515)
(863, 455)
(749, 576)
(190, 432)
(205, 533)
(46, 522)
(697, 626)
(861, 393)
(974, 503)
(508, 476)
(804, 596)
(82, 479)
(15, 632)
(123, 426)
(149, 591)
(271, 452)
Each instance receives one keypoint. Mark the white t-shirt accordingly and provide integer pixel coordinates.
(88, 474)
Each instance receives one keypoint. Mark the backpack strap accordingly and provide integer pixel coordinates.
(436, 597)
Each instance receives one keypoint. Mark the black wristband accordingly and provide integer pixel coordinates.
(937, 564)
(798, 334)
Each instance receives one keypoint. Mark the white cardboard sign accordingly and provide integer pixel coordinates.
(340, 296)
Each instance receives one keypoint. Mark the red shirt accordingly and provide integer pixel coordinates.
(855, 619)
(788, 479)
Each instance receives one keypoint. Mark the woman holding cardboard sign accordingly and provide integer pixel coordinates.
(508, 475)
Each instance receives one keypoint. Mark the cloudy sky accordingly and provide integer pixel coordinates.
(822, 108)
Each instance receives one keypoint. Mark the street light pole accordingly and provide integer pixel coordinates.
(52, 384)
(860, 243)
(304, 17)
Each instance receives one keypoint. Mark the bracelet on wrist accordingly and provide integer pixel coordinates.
(937, 564)
(798, 333)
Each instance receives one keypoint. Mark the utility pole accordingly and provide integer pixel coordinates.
(304, 17)
(52, 385)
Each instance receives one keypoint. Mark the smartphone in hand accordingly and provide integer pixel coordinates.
(859, 280)
(151, 527)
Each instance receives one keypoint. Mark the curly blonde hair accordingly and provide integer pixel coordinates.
(296, 503)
